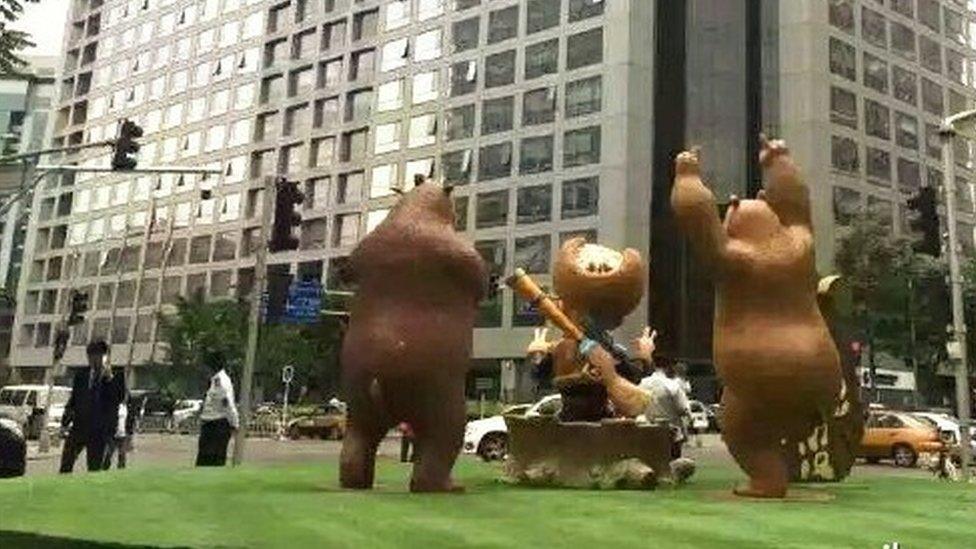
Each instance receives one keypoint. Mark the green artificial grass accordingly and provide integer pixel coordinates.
(300, 506)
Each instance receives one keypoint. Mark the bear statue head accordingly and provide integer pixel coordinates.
(598, 284)
(427, 202)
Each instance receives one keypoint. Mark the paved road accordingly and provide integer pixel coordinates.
(165, 450)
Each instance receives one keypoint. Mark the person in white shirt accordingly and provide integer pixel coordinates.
(120, 441)
(218, 417)
(668, 402)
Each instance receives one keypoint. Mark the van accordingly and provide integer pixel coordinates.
(24, 404)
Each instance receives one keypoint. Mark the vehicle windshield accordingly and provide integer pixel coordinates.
(915, 422)
(516, 410)
(9, 397)
(927, 420)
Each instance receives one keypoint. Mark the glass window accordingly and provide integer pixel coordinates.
(541, 15)
(460, 5)
(423, 167)
(362, 64)
(497, 115)
(304, 45)
(500, 69)
(428, 46)
(534, 205)
(346, 232)
(359, 103)
(326, 112)
(930, 53)
(502, 24)
(354, 145)
(539, 106)
(461, 213)
(877, 120)
(389, 96)
(905, 85)
(904, 7)
(495, 161)
(323, 152)
(387, 138)
(542, 58)
(581, 197)
(585, 48)
(841, 15)
(428, 9)
(422, 131)
(535, 155)
(490, 310)
(456, 167)
(878, 164)
(906, 131)
(350, 188)
(909, 176)
(464, 34)
(364, 25)
(846, 204)
(930, 15)
(932, 100)
(842, 60)
(954, 26)
(460, 122)
(875, 73)
(464, 77)
(844, 154)
(426, 87)
(383, 180)
(584, 96)
(330, 73)
(491, 209)
(581, 147)
(583, 9)
(334, 35)
(397, 14)
(301, 81)
(394, 55)
(843, 107)
(874, 28)
(956, 67)
(533, 253)
(903, 40)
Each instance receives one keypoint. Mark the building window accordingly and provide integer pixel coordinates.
(583, 9)
(584, 96)
(541, 15)
(426, 87)
(585, 48)
(346, 232)
(534, 205)
(359, 103)
(354, 146)
(878, 164)
(904, 85)
(841, 15)
(846, 205)
(874, 28)
(460, 122)
(297, 120)
(428, 46)
(422, 131)
(326, 112)
(956, 67)
(464, 34)
(931, 54)
(361, 64)
(456, 167)
(350, 188)
(495, 161)
(539, 106)
(389, 96)
(535, 155)
(844, 154)
(323, 152)
(490, 310)
(387, 138)
(497, 115)
(903, 40)
(904, 7)
(491, 210)
(542, 58)
(383, 180)
(394, 54)
(877, 120)
(906, 131)
(875, 73)
(954, 26)
(464, 77)
(397, 14)
(932, 100)
(364, 25)
(301, 81)
(581, 197)
(842, 60)
(502, 24)
(461, 213)
(533, 253)
(581, 147)
(909, 175)
(500, 69)
(843, 107)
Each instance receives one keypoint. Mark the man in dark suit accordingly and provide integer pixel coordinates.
(92, 410)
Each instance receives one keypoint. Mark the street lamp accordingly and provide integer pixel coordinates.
(963, 125)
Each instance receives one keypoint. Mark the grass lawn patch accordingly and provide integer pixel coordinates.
(300, 506)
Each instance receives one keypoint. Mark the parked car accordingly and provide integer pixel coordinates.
(949, 430)
(185, 412)
(24, 405)
(326, 422)
(488, 437)
(898, 436)
(714, 418)
(699, 417)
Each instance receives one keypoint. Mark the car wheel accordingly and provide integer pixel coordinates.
(493, 447)
(903, 455)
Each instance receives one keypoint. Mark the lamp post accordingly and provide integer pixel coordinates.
(962, 125)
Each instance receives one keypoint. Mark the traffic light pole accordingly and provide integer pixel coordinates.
(958, 315)
(260, 276)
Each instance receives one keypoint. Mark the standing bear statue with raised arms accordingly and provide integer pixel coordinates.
(408, 346)
(772, 349)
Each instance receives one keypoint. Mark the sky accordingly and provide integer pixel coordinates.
(45, 22)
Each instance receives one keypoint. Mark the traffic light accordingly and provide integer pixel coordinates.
(287, 198)
(125, 148)
(79, 306)
(926, 221)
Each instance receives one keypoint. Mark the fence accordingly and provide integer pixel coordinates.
(262, 426)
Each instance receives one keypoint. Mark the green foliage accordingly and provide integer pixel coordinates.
(12, 41)
(222, 325)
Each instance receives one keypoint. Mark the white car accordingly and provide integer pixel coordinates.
(699, 416)
(22, 403)
(186, 409)
(488, 437)
(948, 427)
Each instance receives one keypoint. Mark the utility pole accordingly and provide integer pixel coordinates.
(260, 276)
(948, 132)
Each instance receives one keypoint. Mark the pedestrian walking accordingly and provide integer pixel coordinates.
(218, 417)
(407, 443)
(92, 411)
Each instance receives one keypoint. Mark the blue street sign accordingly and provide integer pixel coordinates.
(304, 302)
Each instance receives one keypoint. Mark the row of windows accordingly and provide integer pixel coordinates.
(874, 25)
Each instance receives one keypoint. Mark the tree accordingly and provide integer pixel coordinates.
(899, 296)
(12, 41)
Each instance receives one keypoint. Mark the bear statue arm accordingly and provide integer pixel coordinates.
(784, 189)
(697, 215)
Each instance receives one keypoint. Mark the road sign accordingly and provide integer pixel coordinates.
(483, 383)
(287, 374)
(304, 302)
